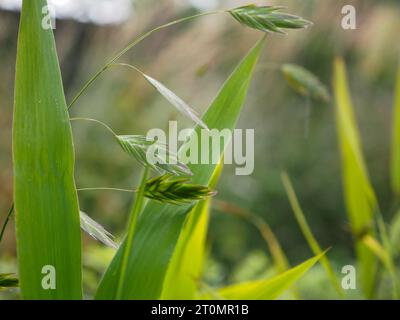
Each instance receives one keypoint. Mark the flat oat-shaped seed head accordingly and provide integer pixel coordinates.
(139, 146)
(268, 18)
(175, 190)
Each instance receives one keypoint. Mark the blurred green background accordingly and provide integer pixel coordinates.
(194, 59)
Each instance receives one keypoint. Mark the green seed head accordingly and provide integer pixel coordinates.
(175, 190)
(268, 18)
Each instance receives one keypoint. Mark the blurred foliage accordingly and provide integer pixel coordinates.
(195, 70)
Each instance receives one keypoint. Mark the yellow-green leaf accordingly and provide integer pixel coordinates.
(396, 140)
(268, 289)
(184, 272)
(360, 198)
(306, 230)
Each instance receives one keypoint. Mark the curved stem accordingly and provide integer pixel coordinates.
(106, 189)
(96, 121)
(120, 64)
(128, 243)
(130, 46)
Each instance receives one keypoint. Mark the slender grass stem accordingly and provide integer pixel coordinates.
(307, 117)
(107, 189)
(307, 233)
(112, 61)
(264, 229)
(135, 212)
(130, 46)
(3, 229)
(95, 121)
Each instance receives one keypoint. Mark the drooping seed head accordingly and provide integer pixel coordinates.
(305, 83)
(268, 18)
(139, 146)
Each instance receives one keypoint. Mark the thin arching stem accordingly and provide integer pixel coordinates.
(108, 65)
(107, 189)
(130, 46)
(95, 121)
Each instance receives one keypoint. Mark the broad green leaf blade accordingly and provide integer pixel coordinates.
(306, 230)
(159, 226)
(184, 272)
(96, 230)
(46, 202)
(396, 141)
(360, 199)
(268, 289)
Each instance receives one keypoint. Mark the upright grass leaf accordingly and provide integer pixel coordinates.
(359, 196)
(383, 253)
(389, 264)
(306, 230)
(6, 220)
(394, 234)
(186, 266)
(280, 261)
(159, 225)
(396, 141)
(268, 289)
(46, 203)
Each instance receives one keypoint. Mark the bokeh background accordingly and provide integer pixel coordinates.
(194, 59)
